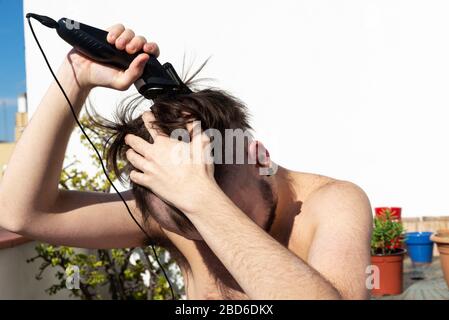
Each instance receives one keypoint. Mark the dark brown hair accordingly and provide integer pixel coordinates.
(216, 109)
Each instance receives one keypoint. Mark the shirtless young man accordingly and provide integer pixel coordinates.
(309, 240)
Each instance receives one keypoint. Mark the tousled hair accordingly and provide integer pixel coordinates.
(215, 109)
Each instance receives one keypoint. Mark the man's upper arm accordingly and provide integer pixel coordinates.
(92, 220)
(340, 249)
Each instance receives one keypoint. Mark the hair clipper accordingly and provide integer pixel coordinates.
(156, 79)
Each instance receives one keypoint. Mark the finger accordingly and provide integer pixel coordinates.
(129, 76)
(139, 145)
(196, 133)
(195, 143)
(138, 178)
(136, 44)
(152, 48)
(207, 153)
(148, 119)
(190, 126)
(114, 32)
(194, 128)
(200, 147)
(138, 161)
(124, 39)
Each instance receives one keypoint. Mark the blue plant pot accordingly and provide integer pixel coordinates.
(420, 247)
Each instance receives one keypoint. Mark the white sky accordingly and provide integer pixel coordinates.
(356, 89)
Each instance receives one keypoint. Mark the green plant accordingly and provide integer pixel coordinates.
(112, 273)
(388, 235)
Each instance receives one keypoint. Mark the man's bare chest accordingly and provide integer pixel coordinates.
(205, 277)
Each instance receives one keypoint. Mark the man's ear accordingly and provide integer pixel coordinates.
(259, 155)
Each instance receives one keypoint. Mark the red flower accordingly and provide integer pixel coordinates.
(394, 213)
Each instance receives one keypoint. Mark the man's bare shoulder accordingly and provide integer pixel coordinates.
(344, 191)
(331, 198)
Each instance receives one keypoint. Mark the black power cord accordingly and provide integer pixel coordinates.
(100, 158)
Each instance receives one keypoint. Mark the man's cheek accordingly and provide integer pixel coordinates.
(173, 220)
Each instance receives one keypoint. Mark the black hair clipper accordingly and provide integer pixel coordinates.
(156, 80)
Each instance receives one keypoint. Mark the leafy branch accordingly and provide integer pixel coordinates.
(119, 272)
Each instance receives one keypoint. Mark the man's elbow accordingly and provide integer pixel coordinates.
(332, 294)
(14, 225)
(341, 295)
(355, 294)
(11, 218)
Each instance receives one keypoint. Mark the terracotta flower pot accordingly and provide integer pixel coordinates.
(441, 238)
(390, 273)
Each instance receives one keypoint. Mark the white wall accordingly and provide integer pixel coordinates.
(351, 89)
(17, 278)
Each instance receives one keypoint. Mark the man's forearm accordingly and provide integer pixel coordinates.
(31, 179)
(263, 267)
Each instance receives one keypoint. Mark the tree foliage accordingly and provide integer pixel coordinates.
(130, 273)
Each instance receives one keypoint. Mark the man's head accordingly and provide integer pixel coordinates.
(238, 178)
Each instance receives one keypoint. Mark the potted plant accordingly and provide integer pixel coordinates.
(387, 254)
(394, 212)
(441, 238)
